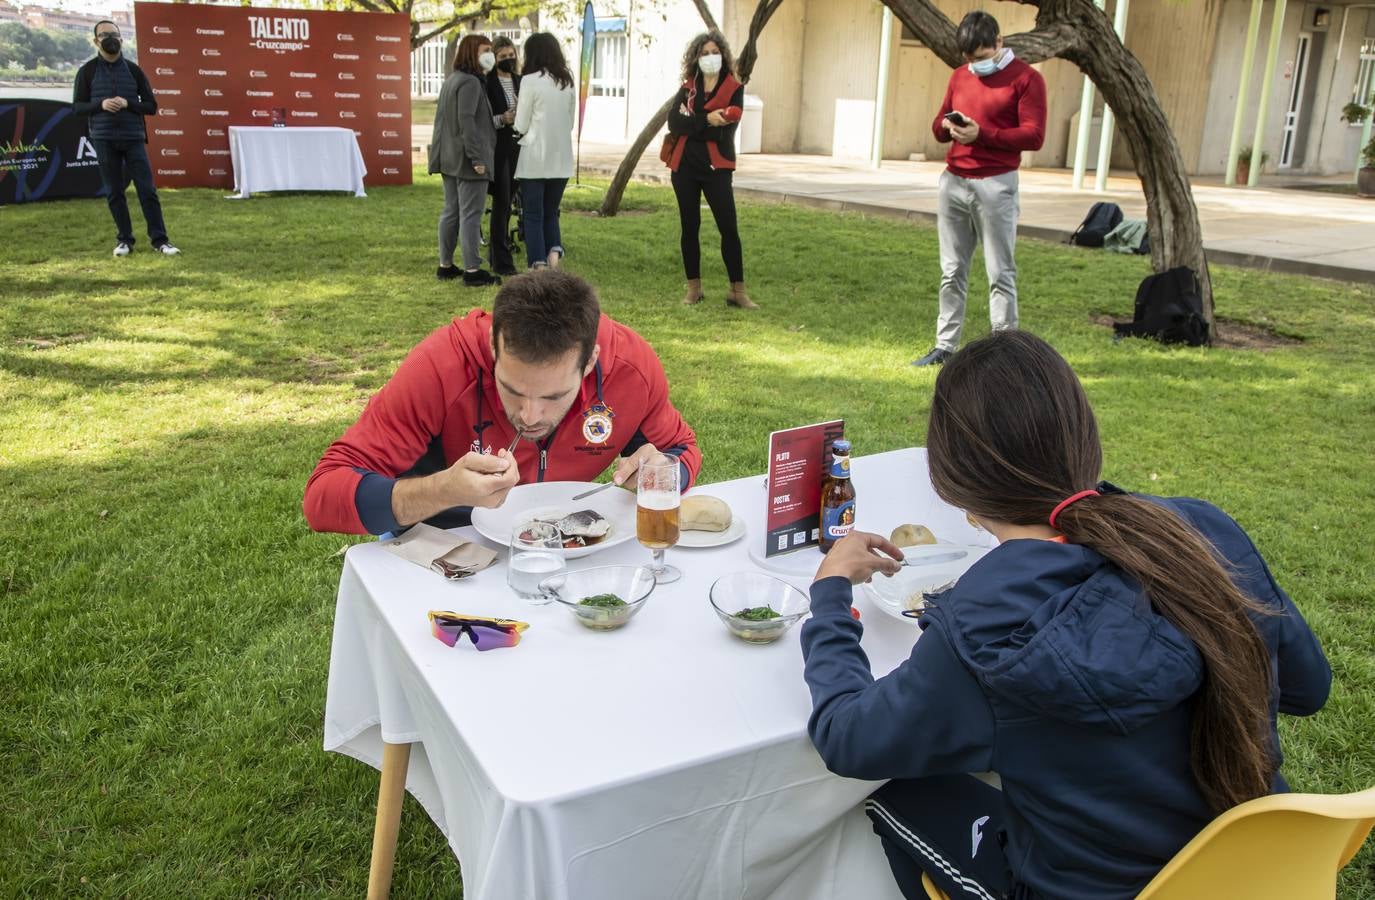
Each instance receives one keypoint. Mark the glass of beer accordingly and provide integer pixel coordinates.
(656, 512)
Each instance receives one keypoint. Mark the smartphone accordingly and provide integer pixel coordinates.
(956, 119)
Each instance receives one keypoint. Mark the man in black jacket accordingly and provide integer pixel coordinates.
(115, 95)
(503, 86)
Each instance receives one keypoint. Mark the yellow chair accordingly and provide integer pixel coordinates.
(1285, 847)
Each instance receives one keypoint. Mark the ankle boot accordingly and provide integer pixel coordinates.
(738, 297)
(694, 292)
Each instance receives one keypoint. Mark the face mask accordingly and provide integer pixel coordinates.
(508, 65)
(110, 44)
(986, 66)
(487, 61)
(709, 64)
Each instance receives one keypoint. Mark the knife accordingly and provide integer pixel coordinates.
(935, 558)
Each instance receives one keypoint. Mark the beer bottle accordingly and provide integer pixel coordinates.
(837, 498)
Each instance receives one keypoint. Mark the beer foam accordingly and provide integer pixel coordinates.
(659, 500)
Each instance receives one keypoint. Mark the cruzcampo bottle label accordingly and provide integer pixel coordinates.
(837, 521)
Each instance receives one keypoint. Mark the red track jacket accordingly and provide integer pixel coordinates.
(443, 402)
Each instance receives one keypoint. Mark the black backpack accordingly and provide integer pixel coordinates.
(1102, 218)
(1169, 308)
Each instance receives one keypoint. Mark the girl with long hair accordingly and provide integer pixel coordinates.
(544, 120)
(462, 151)
(1118, 660)
(702, 121)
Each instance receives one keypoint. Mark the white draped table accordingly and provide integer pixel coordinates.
(664, 760)
(295, 158)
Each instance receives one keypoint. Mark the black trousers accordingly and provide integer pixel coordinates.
(689, 187)
(950, 827)
(121, 162)
(499, 228)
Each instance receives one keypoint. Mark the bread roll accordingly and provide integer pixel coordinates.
(912, 536)
(700, 513)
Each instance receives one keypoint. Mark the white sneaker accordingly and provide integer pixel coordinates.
(168, 250)
(122, 249)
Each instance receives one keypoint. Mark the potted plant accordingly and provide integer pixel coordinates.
(1365, 175)
(1244, 164)
(1355, 113)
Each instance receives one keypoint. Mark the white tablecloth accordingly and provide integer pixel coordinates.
(664, 760)
(306, 158)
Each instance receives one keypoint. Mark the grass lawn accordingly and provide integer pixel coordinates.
(166, 613)
(422, 111)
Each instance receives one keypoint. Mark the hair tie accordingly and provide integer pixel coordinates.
(1073, 498)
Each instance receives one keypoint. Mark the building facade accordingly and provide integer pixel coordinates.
(818, 77)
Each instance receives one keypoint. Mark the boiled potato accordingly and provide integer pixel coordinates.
(911, 536)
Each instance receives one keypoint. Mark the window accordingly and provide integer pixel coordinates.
(1365, 75)
(609, 65)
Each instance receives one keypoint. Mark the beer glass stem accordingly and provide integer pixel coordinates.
(658, 565)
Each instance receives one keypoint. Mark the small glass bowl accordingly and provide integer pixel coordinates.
(633, 584)
(740, 591)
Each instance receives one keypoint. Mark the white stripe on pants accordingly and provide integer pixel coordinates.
(970, 210)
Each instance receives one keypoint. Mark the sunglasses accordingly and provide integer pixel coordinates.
(486, 634)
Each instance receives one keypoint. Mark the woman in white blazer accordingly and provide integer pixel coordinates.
(544, 119)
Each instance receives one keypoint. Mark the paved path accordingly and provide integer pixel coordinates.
(1283, 230)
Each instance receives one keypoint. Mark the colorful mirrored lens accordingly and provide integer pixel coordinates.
(449, 634)
(488, 638)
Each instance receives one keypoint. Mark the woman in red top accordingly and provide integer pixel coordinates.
(702, 123)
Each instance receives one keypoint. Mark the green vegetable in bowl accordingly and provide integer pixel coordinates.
(758, 614)
(603, 601)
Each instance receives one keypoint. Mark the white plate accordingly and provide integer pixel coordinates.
(702, 539)
(555, 498)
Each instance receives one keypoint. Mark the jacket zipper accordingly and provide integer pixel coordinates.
(544, 451)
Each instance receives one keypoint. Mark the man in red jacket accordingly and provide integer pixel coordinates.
(994, 109)
(581, 391)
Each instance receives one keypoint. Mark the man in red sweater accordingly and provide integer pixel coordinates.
(581, 391)
(994, 109)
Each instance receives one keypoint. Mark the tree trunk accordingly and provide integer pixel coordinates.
(1078, 31)
(764, 11)
(611, 203)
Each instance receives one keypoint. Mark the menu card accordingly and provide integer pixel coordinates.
(798, 458)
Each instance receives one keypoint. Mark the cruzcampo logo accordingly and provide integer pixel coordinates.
(9, 149)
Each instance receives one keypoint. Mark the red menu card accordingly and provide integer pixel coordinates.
(798, 458)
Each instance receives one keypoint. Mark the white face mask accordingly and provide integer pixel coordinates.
(487, 60)
(709, 64)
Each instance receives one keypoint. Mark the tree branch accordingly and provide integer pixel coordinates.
(931, 25)
(762, 13)
(1043, 43)
(705, 12)
(447, 26)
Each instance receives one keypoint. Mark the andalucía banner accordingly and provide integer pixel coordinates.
(44, 153)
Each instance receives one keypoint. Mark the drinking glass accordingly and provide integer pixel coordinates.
(536, 554)
(656, 512)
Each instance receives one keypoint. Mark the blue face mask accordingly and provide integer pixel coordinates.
(985, 67)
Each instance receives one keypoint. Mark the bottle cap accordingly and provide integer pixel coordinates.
(841, 446)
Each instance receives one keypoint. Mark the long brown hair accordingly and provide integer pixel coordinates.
(1011, 435)
(465, 57)
(694, 50)
(543, 54)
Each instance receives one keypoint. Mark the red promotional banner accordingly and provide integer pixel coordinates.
(216, 66)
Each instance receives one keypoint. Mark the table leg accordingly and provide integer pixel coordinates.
(391, 792)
